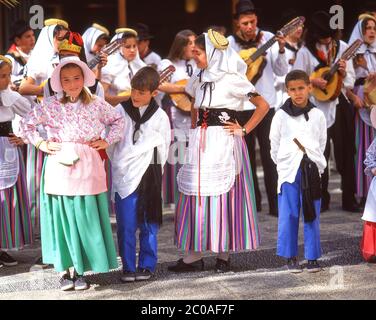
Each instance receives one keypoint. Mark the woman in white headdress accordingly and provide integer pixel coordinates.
(44, 57)
(216, 210)
(365, 71)
(95, 39)
(121, 66)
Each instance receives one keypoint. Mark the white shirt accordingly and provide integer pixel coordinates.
(152, 59)
(279, 83)
(130, 161)
(276, 63)
(18, 70)
(228, 92)
(307, 62)
(285, 153)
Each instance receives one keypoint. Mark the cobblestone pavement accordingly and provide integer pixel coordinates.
(256, 275)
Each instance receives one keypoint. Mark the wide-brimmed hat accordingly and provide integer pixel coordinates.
(244, 6)
(89, 76)
(319, 25)
(218, 40)
(143, 32)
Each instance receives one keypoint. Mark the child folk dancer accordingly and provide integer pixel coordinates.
(75, 225)
(95, 38)
(321, 49)
(181, 57)
(137, 162)
(250, 36)
(216, 209)
(365, 70)
(301, 120)
(368, 244)
(121, 66)
(15, 219)
(39, 68)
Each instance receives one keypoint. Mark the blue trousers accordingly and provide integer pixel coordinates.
(127, 225)
(289, 205)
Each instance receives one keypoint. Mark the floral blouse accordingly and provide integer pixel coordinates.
(73, 122)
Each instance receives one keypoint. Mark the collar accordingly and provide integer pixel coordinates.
(294, 111)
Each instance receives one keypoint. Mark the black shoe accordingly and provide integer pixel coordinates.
(66, 282)
(80, 283)
(181, 266)
(313, 266)
(293, 265)
(222, 266)
(143, 274)
(273, 213)
(128, 276)
(7, 260)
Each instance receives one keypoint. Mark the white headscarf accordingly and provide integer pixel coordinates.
(90, 37)
(39, 63)
(358, 34)
(221, 62)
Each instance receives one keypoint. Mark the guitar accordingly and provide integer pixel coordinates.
(181, 100)
(255, 58)
(335, 80)
(163, 76)
(108, 49)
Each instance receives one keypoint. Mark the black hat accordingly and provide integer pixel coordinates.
(370, 6)
(244, 6)
(288, 15)
(18, 29)
(143, 32)
(319, 25)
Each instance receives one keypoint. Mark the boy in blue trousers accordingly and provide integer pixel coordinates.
(298, 139)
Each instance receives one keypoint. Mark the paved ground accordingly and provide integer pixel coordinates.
(256, 275)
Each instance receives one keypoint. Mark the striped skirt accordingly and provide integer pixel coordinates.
(220, 223)
(34, 166)
(15, 219)
(364, 135)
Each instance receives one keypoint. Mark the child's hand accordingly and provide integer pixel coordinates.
(50, 147)
(373, 171)
(99, 144)
(13, 139)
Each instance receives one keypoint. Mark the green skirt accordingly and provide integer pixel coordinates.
(76, 232)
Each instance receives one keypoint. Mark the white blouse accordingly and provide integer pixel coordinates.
(285, 153)
(228, 92)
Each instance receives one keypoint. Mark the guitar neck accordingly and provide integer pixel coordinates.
(260, 51)
(93, 62)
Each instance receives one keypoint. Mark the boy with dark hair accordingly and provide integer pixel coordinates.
(298, 139)
(137, 163)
